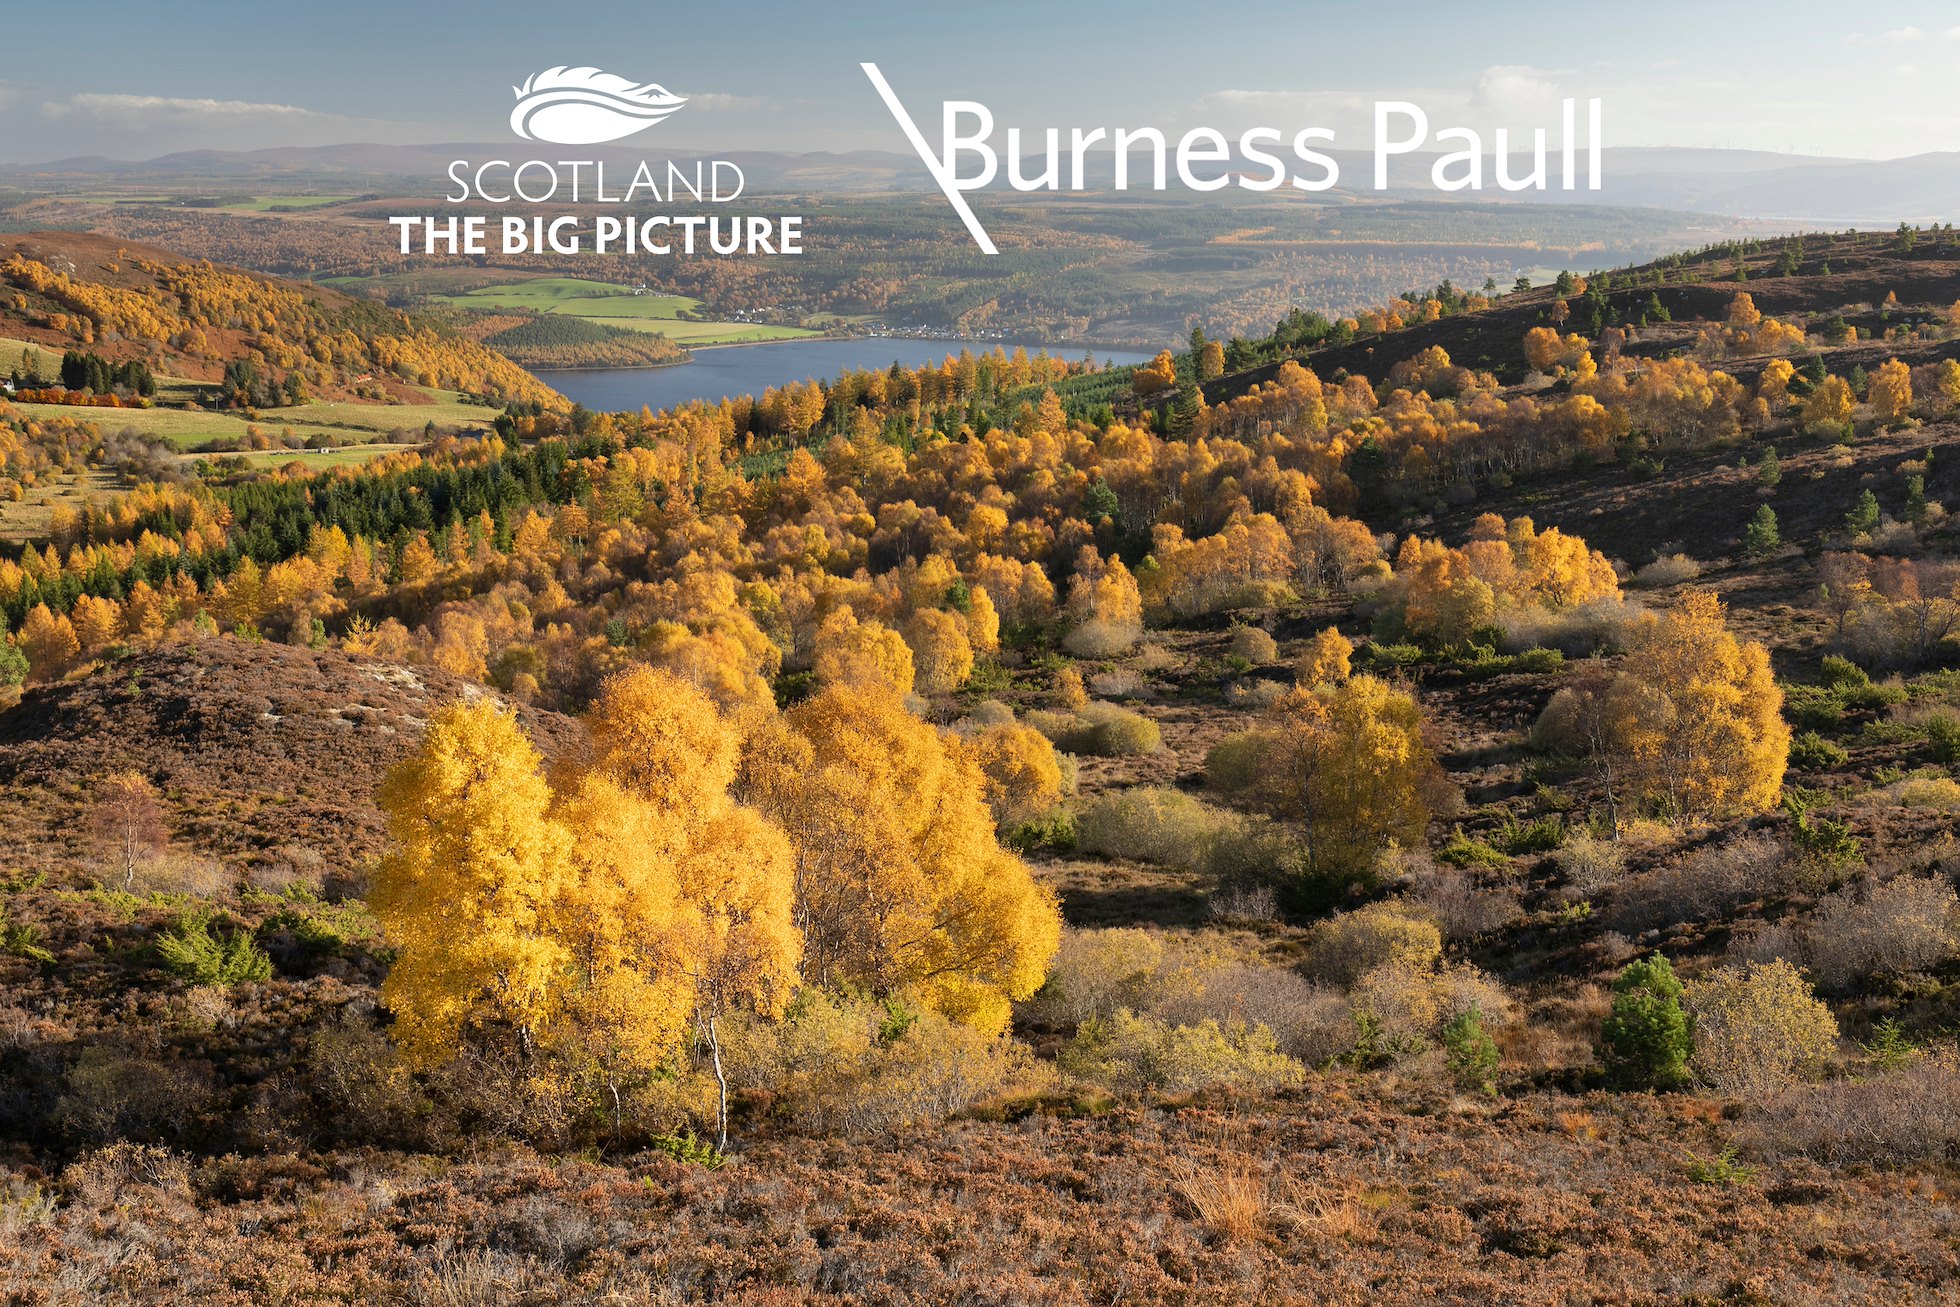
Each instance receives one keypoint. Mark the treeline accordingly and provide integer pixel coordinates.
(561, 341)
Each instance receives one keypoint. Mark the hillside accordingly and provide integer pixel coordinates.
(1462, 814)
(268, 754)
(192, 321)
(1848, 276)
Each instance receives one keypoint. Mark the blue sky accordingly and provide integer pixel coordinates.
(770, 75)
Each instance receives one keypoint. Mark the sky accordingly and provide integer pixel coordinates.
(1870, 80)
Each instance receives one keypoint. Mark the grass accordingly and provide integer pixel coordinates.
(29, 518)
(263, 203)
(618, 306)
(338, 422)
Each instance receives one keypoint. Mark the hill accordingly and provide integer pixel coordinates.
(267, 755)
(199, 322)
(1491, 768)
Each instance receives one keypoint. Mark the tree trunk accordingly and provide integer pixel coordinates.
(721, 1083)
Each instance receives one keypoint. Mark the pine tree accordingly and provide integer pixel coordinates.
(1646, 1041)
(1760, 538)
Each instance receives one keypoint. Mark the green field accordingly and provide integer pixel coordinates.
(318, 457)
(11, 352)
(618, 306)
(338, 423)
(262, 203)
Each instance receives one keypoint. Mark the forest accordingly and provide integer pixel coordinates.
(1449, 798)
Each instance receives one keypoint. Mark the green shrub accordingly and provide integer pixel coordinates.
(1721, 1169)
(1812, 707)
(1107, 731)
(191, 952)
(1237, 762)
(1392, 655)
(1943, 733)
(1128, 1053)
(688, 1150)
(23, 940)
(1538, 660)
(1541, 836)
(1462, 851)
(1054, 830)
(1838, 673)
(1809, 751)
(1150, 824)
(1647, 1040)
(1829, 846)
(1470, 1053)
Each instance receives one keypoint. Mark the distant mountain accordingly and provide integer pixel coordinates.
(1734, 183)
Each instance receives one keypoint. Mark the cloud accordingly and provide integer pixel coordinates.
(1906, 36)
(1512, 86)
(162, 111)
(716, 102)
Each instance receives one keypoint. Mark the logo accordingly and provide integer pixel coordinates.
(584, 106)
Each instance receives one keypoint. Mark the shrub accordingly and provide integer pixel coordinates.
(1098, 639)
(1243, 905)
(1343, 948)
(1250, 852)
(1909, 1116)
(1023, 778)
(122, 1094)
(191, 952)
(1400, 1005)
(1825, 847)
(990, 712)
(1810, 751)
(1106, 731)
(1235, 764)
(1254, 695)
(1462, 851)
(1255, 646)
(1590, 864)
(1054, 829)
(1128, 1053)
(1469, 1053)
(1119, 684)
(1149, 824)
(1908, 924)
(1839, 673)
(847, 1064)
(1707, 882)
(1645, 1043)
(1309, 1022)
(1096, 972)
(1540, 836)
(1462, 910)
(1757, 1027)
(1943, 733)
(1933, 793)
(1673, 569)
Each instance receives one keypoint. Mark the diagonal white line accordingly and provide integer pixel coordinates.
(942, 172)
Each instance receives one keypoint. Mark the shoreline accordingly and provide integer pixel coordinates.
(1053, 351)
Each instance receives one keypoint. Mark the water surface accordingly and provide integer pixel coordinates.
(751, 369)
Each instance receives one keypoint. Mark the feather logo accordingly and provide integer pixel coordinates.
(584, 106)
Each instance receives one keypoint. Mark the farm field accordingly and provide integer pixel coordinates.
(339, 422)
(619, 306)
